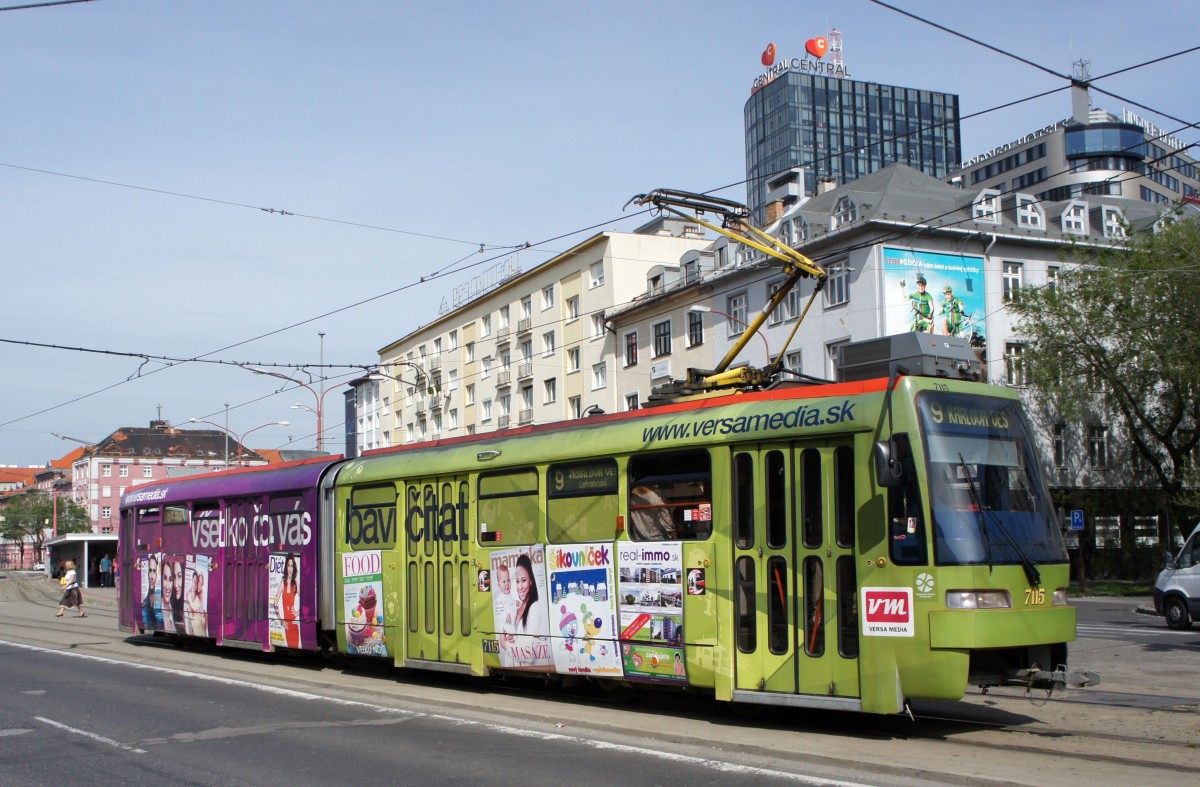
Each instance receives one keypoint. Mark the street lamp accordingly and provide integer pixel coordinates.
(318, 396)
(240, 440)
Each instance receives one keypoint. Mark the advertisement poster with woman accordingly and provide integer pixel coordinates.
(583, 612)
(931, 292)
(362, 603)
(519, 602)
(650, 591)
(195, 595)
(150, 592)
(171, 569)
(284, 579)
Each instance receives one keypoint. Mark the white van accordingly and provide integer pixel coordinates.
(1177, 589)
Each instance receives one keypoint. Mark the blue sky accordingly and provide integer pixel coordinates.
(377, 123)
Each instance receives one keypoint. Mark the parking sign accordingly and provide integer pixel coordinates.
(1077, 519)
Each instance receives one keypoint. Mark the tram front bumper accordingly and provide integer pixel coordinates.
(1012, 647)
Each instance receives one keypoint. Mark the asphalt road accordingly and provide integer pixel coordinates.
(81, 699)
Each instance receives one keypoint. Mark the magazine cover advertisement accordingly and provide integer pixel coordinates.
(284, 591)
(362, 596)
(171, 570)
(583, 610)
(150, 592)
(930, 292)
(650, 590)
(519, 603)
(195, 595)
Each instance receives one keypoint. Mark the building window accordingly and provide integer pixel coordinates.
(105, 471)
(470, 393)
(106, 491)
(1029, 212)
(1098, 446)
(799, 229)
(454, 339)
(793, 363)
(632, 401)
(599, 376)
(1060, 445)
(631, 348)
(123, 472)
(1075, 219)
(106, 512)
(526, 307)
(148, 471)
(548, 297)
(837, 286)
(486, 412)
(573, 308)
(548, 343)
(845, 210)
(721, 256)
(1114, 223)
(410, 433)
(575, 406)
(1052, 279)
(1012, 280)
(597, 271)
(573, 359)
(662, 338)
(550, 391)
(986, 207)
(452, 419)
(485, 326)
(504, 404)
(737, 307)
(695, 329)
(788, 308)
(1015, 370)
(470, 352)
(598, 325)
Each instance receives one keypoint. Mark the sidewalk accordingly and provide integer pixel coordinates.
(41, 583)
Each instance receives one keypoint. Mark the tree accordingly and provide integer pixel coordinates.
(1118, 337)
(28, 517)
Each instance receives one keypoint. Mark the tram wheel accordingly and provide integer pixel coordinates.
(1176, 613)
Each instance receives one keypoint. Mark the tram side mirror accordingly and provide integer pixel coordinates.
(888, 469)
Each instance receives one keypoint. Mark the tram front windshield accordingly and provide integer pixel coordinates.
(988, 500)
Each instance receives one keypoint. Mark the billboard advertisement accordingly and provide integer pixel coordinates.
(934, 292)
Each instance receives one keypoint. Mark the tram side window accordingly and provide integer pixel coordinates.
(508, 508)
(175, 515)
(149, 516)
(906, 534)
(670, 497)
(581, 501)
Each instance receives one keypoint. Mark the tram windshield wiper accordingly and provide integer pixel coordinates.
(1027, 565)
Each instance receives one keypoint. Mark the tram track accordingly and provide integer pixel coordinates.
(1063, 732)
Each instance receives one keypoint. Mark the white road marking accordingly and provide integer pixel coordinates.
(716, 765)
(92, 735)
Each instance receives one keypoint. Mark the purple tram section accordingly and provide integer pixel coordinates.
(230, 556)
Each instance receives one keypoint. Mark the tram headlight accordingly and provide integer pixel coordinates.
(978, 599)
(1060, 597)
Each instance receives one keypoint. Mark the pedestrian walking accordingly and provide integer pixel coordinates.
(72, 595)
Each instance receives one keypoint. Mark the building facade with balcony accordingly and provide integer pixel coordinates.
(534, 348)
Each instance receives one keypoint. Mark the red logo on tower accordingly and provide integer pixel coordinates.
(887, 612)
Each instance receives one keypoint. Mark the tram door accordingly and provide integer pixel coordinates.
(437, 569)
(794, 581)
(243, 596)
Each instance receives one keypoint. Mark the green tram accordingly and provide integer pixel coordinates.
(851, 545)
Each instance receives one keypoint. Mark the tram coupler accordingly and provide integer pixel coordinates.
(1053, 680)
